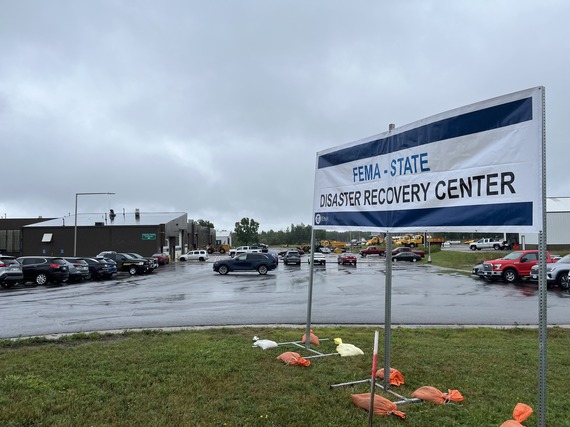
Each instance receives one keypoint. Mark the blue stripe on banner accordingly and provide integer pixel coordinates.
(483, 120)
(502, 214)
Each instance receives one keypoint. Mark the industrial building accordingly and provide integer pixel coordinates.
(90, 233)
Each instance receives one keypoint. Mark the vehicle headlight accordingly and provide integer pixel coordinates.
(497, 266)
(550, 269)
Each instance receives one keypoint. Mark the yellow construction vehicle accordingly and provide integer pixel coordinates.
(415, 240)
(375, 240)
(335, 246)
(221, 248)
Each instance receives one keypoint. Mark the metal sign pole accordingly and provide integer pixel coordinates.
(542, 284)
(388, 312)
(310, 291)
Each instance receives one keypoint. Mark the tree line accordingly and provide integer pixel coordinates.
(246, 232)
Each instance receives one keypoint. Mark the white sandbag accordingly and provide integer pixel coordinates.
(265, 344)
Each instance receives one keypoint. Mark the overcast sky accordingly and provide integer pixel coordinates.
(218, 108)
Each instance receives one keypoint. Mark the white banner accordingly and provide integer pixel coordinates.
(477, 168)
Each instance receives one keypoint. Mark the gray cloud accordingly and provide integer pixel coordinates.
(219, 108)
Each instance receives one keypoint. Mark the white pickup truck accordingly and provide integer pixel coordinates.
(488, 244)
(244, 249)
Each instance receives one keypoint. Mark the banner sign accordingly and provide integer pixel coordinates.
(476, 169)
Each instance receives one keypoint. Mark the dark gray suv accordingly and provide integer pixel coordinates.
(262, 263)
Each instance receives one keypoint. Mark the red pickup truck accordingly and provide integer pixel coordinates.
(372, 250)
(512, 267)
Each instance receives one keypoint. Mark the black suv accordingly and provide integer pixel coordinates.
(43, 270)
(262, 263)
(126, 262)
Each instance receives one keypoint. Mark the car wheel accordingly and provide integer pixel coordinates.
(7, 285)
(41, 279)
(473, 248)
(510, 275)
(132, 271)
(262, 269)
(414, 260)
(222, 251)
(496, 247)
(563, 281)
(223, 269)
(182, 258)
(412, 245)
(201, 259)
(211, 251)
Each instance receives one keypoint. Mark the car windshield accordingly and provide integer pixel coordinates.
(513, 255)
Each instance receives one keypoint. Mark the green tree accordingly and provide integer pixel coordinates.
(205, 223)
(246, 231)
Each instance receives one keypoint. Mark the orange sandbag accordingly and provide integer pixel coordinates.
(433, 395)
(520, 413)
(396, 377)
(382, 406)
(313, 339)
(292, 358)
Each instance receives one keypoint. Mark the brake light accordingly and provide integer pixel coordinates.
(54, 266)
(2, 264)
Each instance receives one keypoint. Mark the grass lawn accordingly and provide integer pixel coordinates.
(213, 377)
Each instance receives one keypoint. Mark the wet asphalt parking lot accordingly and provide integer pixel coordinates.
(187, 294)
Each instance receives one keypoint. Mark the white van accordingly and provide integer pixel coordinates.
(197, 255)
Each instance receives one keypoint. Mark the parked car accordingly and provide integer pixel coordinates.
(43, 270)
(75, 275)
(513, 266)
(260, 262)
(292, 256)
(556, 272)
(161, 258)
(477, 270)
(346, 258)
(126, 262)
(100, 268)
(81, 267)
(274, 256)
(197, 255)
(318, 259)
(407, 249)
(153, 263)
(10, 271)
(406, 256)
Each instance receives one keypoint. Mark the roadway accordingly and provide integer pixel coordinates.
(190, 294)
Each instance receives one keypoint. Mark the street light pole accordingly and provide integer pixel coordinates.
(75, 228)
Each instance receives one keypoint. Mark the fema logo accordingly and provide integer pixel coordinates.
(317, 219)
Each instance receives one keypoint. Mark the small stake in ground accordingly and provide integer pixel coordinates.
(373, 379)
